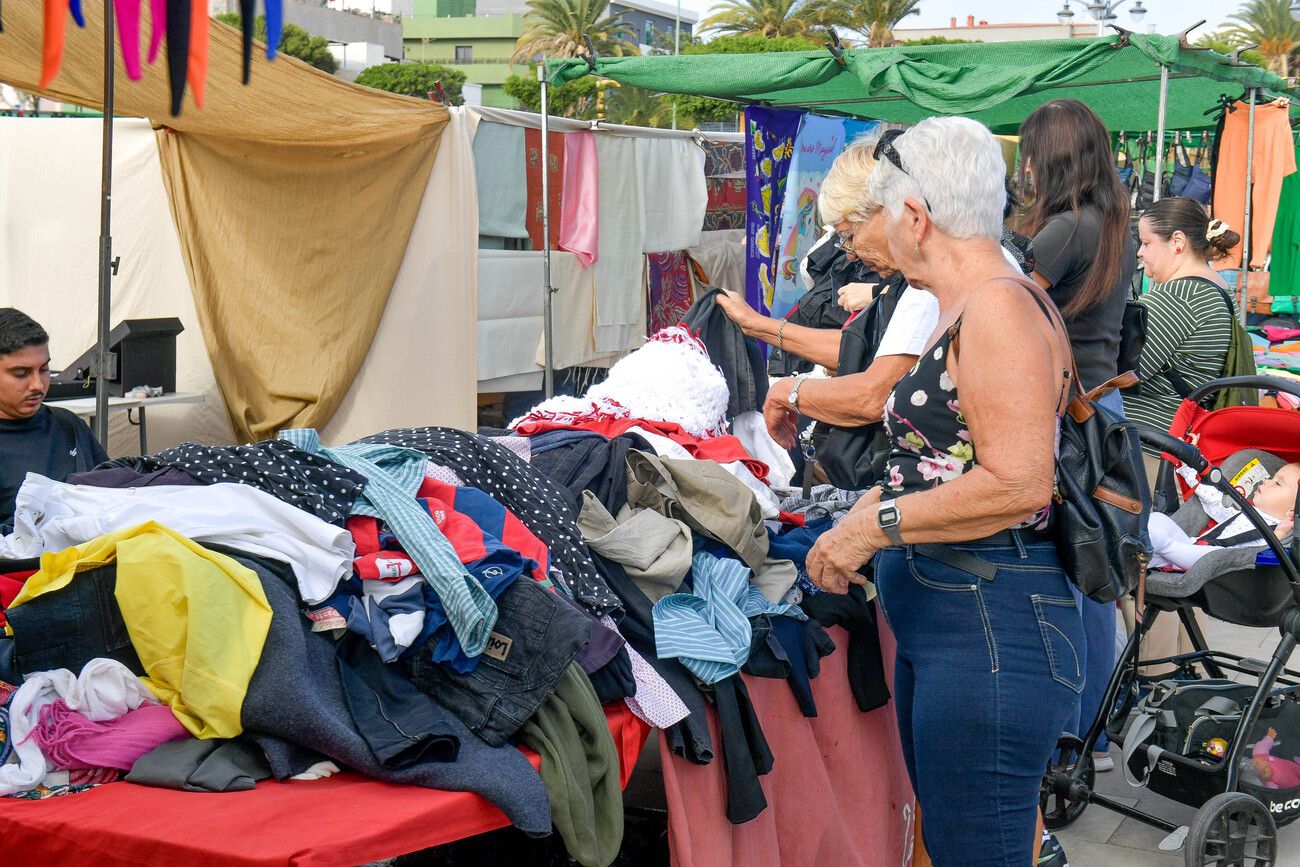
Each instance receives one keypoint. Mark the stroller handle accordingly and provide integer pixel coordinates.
(1267, 383)
(1185, 452)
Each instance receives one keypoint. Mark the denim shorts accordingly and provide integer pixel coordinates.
(987, 673)
(537, 635)
(73, 625)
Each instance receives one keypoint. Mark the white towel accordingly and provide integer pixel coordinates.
(673, 193)
(620, 297)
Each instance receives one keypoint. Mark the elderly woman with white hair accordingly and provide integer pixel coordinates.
(988, 666)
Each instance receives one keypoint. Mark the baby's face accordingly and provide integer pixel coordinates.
(1277, 496)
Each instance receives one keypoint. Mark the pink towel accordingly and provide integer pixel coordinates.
(70, 741)
(127, 14)
(580, 221)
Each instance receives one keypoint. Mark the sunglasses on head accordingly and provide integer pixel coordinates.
(885, 150)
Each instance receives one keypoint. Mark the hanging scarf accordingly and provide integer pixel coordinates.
(127, 14)
(274, 26)
(77, 15)
(247, 22)
(769, 145)
(197, 68)
(56, 19)
(178, 50)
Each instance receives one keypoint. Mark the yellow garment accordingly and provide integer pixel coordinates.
(293, 197)
(197, 619)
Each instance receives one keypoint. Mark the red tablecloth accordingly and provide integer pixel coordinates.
(344, 820)
(838, 794)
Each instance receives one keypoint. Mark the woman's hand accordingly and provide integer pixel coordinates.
(781, 418)
(738, 310)
(835, 559)
(855, 296)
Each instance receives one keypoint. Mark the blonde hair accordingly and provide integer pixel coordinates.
(844, 194)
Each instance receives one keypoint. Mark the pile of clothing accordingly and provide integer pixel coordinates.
(417, 605)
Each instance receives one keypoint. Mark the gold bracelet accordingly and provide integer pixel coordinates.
(780, 343)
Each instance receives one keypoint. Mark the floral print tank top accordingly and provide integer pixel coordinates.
(930, 441)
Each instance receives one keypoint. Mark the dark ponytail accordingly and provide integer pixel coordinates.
(1181, 214)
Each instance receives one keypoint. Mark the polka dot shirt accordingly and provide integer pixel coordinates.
(539, 503)
(286, 472)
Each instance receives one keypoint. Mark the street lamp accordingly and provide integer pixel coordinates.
(1100, 11)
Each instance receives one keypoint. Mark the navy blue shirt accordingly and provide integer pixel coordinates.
(53, 442)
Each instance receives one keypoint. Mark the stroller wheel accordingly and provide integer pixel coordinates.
(1067, 784)
(1231, 829)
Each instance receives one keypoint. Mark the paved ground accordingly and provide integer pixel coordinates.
(1101, 838)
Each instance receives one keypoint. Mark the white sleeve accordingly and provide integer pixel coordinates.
(1011, 260)
(909, 329)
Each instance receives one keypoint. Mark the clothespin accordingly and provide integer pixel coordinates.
(1236, 55)
(836, 47)
(1124, 35)
(590, 56)
(439, 95)
(1182, 37)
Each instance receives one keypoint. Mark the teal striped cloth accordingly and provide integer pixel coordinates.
(393, 478)
(708, 630)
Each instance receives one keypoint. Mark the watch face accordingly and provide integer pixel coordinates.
(888, 516)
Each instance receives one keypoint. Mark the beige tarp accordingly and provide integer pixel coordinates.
(294, 198)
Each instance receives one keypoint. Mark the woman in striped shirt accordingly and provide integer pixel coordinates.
(1189, 323)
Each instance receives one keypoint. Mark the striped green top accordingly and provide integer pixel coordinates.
(1189, 328)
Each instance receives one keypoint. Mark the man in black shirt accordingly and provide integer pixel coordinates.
(34, 438)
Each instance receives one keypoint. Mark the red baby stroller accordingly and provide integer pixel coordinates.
(1205, 734)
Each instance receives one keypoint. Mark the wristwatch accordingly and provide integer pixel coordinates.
(794, 392)
(888, 518)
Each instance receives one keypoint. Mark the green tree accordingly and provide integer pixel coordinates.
(577, 99)
(638, 107)
(294, 41)
(1220, 43)
(414, 79)
(874, 19)
(938, 40)
(1268, 24)
(694, 110)
(559, 28)
(770, 18)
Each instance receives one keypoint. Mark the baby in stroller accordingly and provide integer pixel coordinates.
(1274, 499)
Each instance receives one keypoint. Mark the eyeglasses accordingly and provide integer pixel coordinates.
(843, 244)
(885, 148)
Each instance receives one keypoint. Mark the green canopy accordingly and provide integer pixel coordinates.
(998, 83)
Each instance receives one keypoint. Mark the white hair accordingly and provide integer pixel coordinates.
(955, 166)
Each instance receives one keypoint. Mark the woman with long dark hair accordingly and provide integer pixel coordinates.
(1078, 219)
(1084, 257)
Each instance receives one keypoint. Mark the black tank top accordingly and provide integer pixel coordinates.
(929, 440)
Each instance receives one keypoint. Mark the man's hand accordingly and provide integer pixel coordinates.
(782, 419)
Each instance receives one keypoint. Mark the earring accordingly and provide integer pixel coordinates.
(916, 246)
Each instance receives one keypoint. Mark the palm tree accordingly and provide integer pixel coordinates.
(557, 28)
(874, 19)
(1267, 23)
(768, 18)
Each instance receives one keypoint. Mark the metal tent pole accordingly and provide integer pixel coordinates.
(548, 374)
(1245, 232)
(1160, 134)
(104, 363)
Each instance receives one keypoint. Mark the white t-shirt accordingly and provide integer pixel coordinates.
(915, 319)
(909, 329)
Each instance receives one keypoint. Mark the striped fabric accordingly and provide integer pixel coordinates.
(1189, 328)
(393, 476)
(708, 630)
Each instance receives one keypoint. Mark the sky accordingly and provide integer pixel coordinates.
(1168, 16)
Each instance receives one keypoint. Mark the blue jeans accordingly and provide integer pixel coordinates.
(987, 674)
